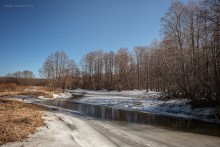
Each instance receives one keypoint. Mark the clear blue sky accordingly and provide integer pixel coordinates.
(32, 29)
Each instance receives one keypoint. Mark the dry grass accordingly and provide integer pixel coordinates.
(30, 93)
(8, 86)
(24, 90)
(18, 120)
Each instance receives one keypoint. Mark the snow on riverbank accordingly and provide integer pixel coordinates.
(70, 129)
(127, 93)
(136, 100)
(64, 129)
(62, 95)
(147, 101)
(57, 133)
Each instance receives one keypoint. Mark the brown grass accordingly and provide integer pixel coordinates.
(18, 120)
(25, 90)
(8, 86)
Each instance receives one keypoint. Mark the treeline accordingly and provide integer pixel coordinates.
(185, 63)
(21, 74)
(121, 70)
(22, 78)
(189, 54)
(23, 81)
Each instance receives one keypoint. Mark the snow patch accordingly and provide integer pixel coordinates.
(62, 95)
(147, 101)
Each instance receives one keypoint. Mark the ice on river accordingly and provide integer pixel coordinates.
(147, 101)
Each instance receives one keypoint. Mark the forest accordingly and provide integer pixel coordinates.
(185, 63)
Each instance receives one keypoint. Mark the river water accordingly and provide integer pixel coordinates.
(118, 114)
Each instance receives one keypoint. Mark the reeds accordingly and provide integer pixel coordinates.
(18, 120)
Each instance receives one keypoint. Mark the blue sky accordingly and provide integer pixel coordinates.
(30, 30)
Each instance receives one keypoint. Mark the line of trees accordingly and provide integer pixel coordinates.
(123, 70)
(21, 74)
(23, 78)
(13, 81)
(190, 50)
(185, 63)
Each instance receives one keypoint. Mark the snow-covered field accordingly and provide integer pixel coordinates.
(147, 101)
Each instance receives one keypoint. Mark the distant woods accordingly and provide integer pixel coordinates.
(20, 78)
(185, 63)
(21, 74)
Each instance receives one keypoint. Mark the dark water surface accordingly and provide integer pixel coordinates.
(119, 114)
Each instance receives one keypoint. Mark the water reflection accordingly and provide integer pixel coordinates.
(112, 113)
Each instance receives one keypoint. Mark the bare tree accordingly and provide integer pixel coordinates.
(139, 53)
(58, 69)
(121, 68)
(108, 70)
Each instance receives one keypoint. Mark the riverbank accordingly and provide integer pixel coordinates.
(67, 128)
(19, 119)
(151, 101)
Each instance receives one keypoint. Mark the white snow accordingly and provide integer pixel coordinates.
(66, 129)
(62, 95)
(127, 93)
(137, 100)
(147, 101)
